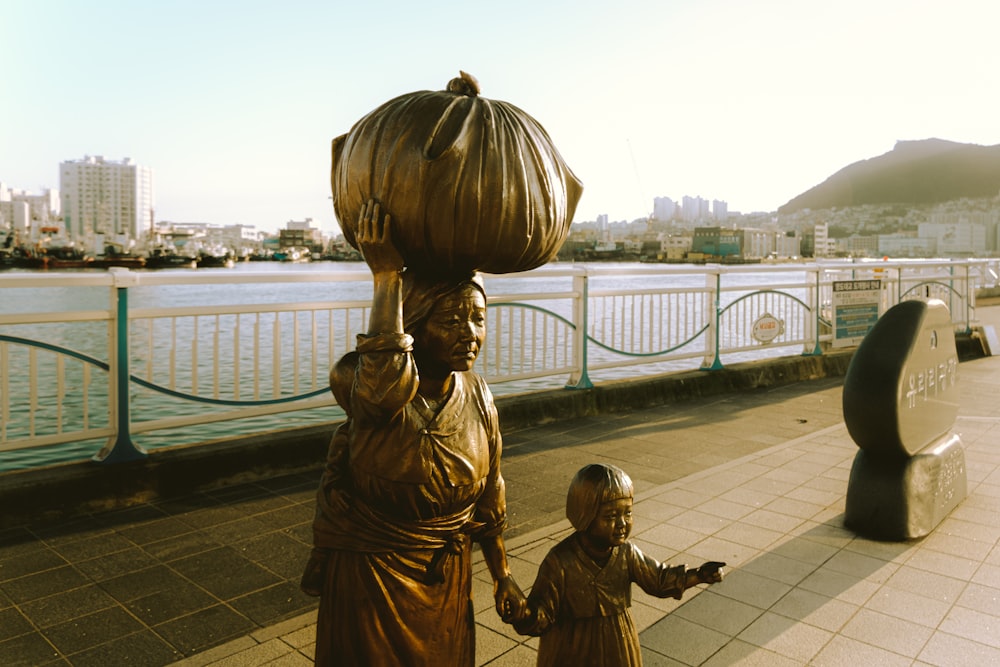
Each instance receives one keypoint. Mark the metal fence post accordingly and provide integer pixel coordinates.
(969, 289)
(580, 336)
(817, 303)
(120, 447)
(712, 341)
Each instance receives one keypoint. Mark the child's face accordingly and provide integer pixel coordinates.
(613, 524)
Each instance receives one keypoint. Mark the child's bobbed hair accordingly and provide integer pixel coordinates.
(592, 486)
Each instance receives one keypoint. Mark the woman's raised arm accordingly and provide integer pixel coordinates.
(374, 237)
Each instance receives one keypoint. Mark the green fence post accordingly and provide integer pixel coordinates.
(120, 447)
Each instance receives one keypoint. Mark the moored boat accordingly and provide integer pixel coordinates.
(7, 250)
(52, 250)
(67, 256)
(292, 254)
(162, 257)
(126, 261)
(54, 262)
(115, 254)
(216, 256)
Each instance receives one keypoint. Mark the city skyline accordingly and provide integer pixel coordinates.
(233, 105)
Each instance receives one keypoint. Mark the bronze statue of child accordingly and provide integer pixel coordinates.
(579, 603)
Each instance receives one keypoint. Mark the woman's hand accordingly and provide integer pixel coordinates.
(511, 603)
(374, 238)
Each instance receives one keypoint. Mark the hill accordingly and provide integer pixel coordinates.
(918, 172)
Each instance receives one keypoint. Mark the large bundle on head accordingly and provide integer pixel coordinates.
(471, 183)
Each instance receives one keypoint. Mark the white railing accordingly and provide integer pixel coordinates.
(184, 356)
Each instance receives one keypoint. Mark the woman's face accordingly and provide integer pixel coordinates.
(451, 338)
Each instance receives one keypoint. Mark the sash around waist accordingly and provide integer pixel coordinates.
(356, 526)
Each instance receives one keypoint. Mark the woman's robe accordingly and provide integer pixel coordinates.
(406, 490)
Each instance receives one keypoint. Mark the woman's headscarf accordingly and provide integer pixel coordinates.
(421, 292)
(592, 486)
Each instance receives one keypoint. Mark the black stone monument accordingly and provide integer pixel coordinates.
(900, 401)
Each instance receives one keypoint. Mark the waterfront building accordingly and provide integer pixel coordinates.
(985, 213)
(906, 245)
(823, 245)
(26, 213)
(15, 216)
(787, 244)
(106, 197)
(717, 242)
(245, 240)
(858, 245)
(675, 247)
(756, 243)
(633, 247)
(955, 239)
(196, 237)
(944, 215)
(816, 242)
(302, 233)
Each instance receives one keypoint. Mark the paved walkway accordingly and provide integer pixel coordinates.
(755, 479)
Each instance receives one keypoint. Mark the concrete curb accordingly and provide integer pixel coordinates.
(71, 489)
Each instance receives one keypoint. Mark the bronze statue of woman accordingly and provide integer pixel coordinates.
(413, 474)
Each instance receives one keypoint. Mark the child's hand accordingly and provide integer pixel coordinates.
(711, 572)
(510, 613)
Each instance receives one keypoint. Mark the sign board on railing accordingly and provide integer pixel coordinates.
(855, 310)
(766, 328)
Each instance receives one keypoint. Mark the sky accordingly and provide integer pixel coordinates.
(233, 103)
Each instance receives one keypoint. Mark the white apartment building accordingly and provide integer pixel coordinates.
(906, 245)
(720, 210)
(664, 208)
(106, 197)
(956, 238)
(786, 245)
(15, 216)
(25, 213)
(301, 225)
(757, 243)
(238, 238)
(694, 208)
(675, 246)
(858, 245)
(823, 245)
(308, 228)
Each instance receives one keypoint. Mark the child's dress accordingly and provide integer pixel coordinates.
(582, 609)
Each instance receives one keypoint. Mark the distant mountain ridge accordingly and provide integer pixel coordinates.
(927, 171)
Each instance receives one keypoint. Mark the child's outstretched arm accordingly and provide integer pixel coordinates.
(709, 573)
(662, 580)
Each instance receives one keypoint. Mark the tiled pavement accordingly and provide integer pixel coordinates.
(755, 479)
(149, 585)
